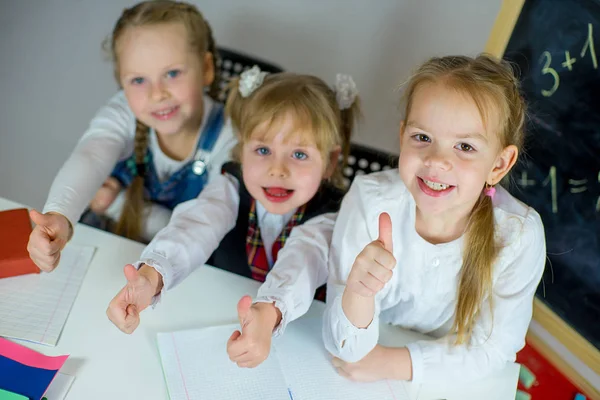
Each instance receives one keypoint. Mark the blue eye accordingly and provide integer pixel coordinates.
(420, 137)
(137, 81)
(263, 151)
(174, 73)
(300, 155)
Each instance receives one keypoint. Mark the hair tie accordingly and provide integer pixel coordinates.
(345, 91)
(250, 80)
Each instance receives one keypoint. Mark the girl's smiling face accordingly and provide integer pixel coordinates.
(163, 78)
(448, 153)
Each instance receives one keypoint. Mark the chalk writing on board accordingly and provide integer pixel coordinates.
(576, 186)
(589, 44)
(552, 180)
(547, 69)
(546, 59)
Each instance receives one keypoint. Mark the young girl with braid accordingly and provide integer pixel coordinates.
(291, 131)
(155, 144)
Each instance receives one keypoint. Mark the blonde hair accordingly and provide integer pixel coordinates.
(492, 85)
(148, 13)
(311, 102)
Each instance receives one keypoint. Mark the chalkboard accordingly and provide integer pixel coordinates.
(556, 45)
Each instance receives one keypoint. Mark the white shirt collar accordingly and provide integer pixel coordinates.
(266, 218)
(271, 226)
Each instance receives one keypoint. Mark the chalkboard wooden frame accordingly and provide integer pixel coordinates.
(559, 329)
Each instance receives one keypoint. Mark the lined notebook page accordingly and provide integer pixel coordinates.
(35, 307)
(310, 374)
(196, 366)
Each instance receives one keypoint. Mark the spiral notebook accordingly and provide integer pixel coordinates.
(196, 366)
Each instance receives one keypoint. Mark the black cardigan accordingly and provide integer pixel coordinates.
(231, 253)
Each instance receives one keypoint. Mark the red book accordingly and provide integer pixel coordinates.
(15, 229)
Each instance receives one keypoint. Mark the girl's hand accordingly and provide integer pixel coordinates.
(124, 309)
(252, 345)
(372, 268)
(50, 235)
(105, 195)
(380, 363)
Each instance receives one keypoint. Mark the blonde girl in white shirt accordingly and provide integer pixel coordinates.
(164, 135)
(438, 246)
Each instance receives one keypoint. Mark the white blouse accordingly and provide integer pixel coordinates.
(301, 268)
(108, 140)
(422, 293)
(197, 227)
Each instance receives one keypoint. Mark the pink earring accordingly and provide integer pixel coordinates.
(489, 190)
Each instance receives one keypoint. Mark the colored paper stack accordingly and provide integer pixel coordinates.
(25, 372)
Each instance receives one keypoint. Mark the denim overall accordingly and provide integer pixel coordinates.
(185, 184)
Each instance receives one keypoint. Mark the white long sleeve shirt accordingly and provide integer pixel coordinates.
(422, 293)
(197, 227)
(108, 140)
(301, 268)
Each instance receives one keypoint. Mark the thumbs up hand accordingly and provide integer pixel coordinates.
(142, 285)
(252, 345)
(372, 268)
(51, 233)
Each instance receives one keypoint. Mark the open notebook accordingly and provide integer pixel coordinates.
(196, 366)
(35, 307)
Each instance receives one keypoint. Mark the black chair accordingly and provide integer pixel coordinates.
(232, 63)
(364, 160)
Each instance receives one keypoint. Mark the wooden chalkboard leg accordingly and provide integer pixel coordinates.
(564, 368)
(503, 27)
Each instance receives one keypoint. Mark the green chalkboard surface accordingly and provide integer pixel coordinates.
(555, 45)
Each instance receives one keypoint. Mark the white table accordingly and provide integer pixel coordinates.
(109, 364)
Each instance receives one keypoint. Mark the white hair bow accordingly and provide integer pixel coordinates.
(345, 91)
(250, 80)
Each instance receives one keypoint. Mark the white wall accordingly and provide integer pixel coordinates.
(53, 75)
